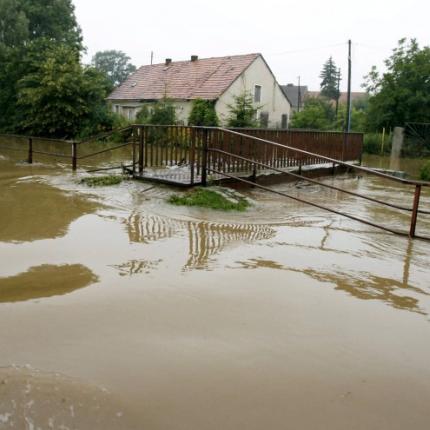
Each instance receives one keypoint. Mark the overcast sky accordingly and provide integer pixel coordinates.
(295, 37)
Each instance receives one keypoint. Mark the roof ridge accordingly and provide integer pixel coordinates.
(202, 59)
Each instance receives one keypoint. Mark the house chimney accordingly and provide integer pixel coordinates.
(168, 61)
(194, 57)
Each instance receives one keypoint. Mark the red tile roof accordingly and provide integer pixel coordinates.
(184, 80)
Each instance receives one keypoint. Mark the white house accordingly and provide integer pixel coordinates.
(216, 79)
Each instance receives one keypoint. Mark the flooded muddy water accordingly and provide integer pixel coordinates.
(118, 310)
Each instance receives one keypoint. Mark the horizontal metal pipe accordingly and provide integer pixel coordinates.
(316, 182)
(47, 139)
(104, 150)
(8, 148)
(106, 134)
(51, 154)
(363, 221)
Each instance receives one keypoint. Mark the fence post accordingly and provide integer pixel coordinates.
(205, 158)
(415, 210)
(344, 144)
(133, 143)
(192, 154)
(74, 155)
(141, 149)
(30, 150)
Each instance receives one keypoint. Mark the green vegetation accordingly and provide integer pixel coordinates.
(203, 114)
(70, 100)
(425, 171)
(330, 76)
(243, 113)
(209, 199)
(402, 93)
(113, 64)
(162, 112)
(373, 144)
(101, 181)
(318, 114)
(44, 88)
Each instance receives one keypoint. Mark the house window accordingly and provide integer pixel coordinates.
(284, 121)
(264, 119)
(257, 93)
(116, 109)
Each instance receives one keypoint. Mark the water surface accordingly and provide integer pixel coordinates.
(284, 316)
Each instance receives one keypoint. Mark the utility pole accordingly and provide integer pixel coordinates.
(338, 93)
(152, 57)
(299, 96)
(348, 104)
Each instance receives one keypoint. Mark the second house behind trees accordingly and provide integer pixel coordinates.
(217, 79)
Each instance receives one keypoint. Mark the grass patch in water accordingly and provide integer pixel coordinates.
(209, 199)
(101, 181)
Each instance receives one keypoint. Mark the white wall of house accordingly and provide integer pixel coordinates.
(273, 100)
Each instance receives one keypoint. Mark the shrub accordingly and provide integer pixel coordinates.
(425, 171)
(243, 113)
(162, 113)
(203, 114)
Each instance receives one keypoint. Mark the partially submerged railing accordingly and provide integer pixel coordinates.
(28, 145)
(238, 155)
(220, 157)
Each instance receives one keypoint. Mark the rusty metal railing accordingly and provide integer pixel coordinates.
(211, 164)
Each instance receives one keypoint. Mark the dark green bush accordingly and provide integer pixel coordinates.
(425, 171)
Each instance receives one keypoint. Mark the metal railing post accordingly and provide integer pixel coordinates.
(415, 210)
(133, 140)
(205, 158)
(30, 150)
(74, 155)
(141, 149)
(192, 155)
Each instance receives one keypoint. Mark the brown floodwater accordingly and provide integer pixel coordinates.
(118, 310)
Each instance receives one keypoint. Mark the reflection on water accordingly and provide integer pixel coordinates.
(364, 286)
(208, 239)
(371, 287)
(32, 211)
(205, 239)
(136, 267)
(45, 281)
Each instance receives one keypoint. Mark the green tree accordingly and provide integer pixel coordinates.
(243, 112)
(317, 114)
(58, 97)
(329, 83)
(203, 114)
(54, 20)
(115, 65)
(14, 25)
(359, 113)
(22, 24)
(402, 93)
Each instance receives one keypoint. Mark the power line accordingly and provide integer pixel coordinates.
(314, 48)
